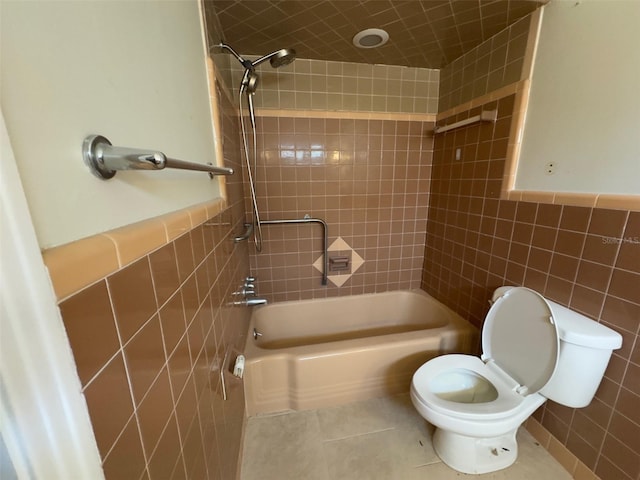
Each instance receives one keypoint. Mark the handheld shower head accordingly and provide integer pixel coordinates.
(277, 59)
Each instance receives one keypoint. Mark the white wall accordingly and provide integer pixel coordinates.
(584, 109)
(133, 72)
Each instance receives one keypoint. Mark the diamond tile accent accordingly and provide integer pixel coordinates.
(356, 261)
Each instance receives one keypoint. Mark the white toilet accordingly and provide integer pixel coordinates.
(533, 350)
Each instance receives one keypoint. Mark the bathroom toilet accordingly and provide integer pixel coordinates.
(532, 350)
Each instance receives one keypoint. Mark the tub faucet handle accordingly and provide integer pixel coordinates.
(245, 291)
(250, 279)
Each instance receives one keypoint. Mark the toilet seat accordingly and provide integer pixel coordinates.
(520, 343)
(505, 404)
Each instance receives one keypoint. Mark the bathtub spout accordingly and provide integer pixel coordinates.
(252, 301)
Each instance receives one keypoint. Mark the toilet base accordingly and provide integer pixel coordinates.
(475, 455)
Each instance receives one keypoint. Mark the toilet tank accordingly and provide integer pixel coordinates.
(585, 350)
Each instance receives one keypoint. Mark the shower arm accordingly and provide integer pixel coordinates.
(245, 63)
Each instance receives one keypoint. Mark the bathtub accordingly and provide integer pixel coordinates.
(318, 353)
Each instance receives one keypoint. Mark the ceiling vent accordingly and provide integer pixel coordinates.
(370, 38)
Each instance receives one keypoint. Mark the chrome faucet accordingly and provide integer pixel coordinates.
(248, 291)
(254, 301)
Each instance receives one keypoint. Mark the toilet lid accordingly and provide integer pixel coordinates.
(521, 337)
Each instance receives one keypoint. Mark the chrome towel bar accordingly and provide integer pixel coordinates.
(104, 159)
(485, 116)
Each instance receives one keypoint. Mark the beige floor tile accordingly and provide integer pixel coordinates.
(382, 439)
(284, 447)
(361, 457)
(353, 419)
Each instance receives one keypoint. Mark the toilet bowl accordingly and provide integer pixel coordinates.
(478, 403)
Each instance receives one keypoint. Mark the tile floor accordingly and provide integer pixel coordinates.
(382, 438)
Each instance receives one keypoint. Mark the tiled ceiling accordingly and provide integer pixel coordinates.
(423, 33)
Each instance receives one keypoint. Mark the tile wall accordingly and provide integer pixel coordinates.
(343, 86)
(368, 179)
(492, 64)
(585, 258)
(150, 339)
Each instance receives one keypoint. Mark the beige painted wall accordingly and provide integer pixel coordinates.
(132, 71)
(584, 105)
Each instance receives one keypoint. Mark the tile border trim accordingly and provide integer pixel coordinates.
(78, 264)
(422, 117)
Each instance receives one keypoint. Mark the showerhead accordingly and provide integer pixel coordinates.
(282, 57)
(277, 59)
(249, 82)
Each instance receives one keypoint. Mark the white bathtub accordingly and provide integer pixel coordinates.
(318, 353)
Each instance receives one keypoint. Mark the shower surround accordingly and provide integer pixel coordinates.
(368, 179)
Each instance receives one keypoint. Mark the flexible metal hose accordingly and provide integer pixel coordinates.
(257, 232)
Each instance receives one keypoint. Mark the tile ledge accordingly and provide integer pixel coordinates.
(78, 264)
(593, 200)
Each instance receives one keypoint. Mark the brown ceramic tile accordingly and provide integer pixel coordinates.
(165, 272)
(593, 275)
(126, 460)
(173, 323)
(621, 313)
(632, 379)
(627, 404)
(586, 453)
(144, 355)
(109, 402)
(588, 430)
(625, 431)
(606, 470)
(522, 233)
(607, 222)
(598, 412)
(548, 215)
(587, 301)
(133, 297)
(180, 366)
(190, 299)
(564, 267)
(558, 290)
(625, 285)
(539, 259)
(526, 212)
(555, 426)
(629, 256)
(184, 254)
(622, 456)
(575, 218)
(569, 243)
(600, 249)
(193, 452)
(544, 237)
(167, 452)
(155, 411)
(91, 329)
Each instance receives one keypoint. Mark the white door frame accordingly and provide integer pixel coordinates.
(44, 420)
